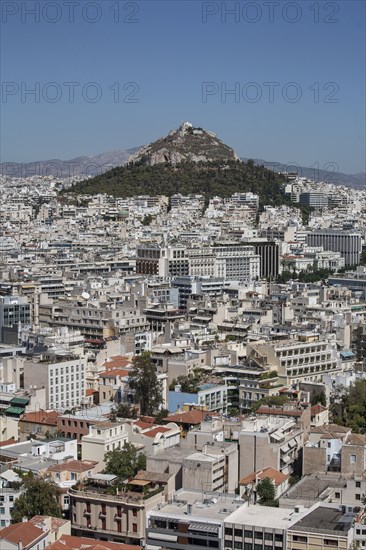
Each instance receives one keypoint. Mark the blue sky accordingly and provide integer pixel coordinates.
(144, 66)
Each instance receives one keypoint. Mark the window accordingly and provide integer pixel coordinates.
(258, 535)
(134, 513)
(134, 527)
(357, 496)
(248, 534)
(352, 459)
(337, 495)
(238, 533)
(268, 536)
(298, 538)
(278, 537)
(2, 510)
(358, 484)
(228, 531)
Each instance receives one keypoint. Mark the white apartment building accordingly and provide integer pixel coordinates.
(236, 262)
(62, 378)
(295, 360)
(348, 243)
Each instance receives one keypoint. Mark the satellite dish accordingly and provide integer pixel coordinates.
(85, 295)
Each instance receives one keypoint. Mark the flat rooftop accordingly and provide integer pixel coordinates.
(263, 516)
(206, 506)
(325, 520)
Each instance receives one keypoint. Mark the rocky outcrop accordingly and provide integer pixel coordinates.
(186, 143)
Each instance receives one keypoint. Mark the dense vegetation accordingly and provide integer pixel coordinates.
(310, 276)
(40, 497)
(351, 410)
(270, 401)
(209, 179)
(144, 383)
(266, 492)
(124, 463)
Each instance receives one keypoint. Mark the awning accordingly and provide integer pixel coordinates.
(162, 536)
(141, 482)
(14, 410)
(19, 401)
(204, 527)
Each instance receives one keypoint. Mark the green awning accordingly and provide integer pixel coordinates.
(19, 401)
(14, 410)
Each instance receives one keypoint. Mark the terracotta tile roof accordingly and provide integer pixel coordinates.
(74, 466)
(273, 474)
(90, 391)
(189, 417)
(7, 442)
(155, 431)
(111, 373)
(330, 428)
(142, 425)
(25, 532)
(48, 418)
(117, 361)
(279, 411)
(356, 439)
(70, 542)
(56, 523)
(317, 409)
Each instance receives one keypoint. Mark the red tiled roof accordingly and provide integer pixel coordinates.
(111, 373)
(273, 474)
(317, 409)
(142, 425)
(90, 391)
(117, 361)
(56, 523)
(7, 442)
(48, 418)
(194, 416)
(70, 542)
(25, 532)
(74, 466)
(155, 431)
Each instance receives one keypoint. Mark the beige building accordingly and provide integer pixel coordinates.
(115, 517)
(266, 441)
(213, 469)
(305, 359)
(103, 437)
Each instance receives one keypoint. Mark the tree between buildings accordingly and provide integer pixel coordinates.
(124, 463)
(40, 497)
(266, 492)
(144, 382)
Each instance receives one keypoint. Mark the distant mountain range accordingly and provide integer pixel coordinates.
(79, 166)
(99, 164)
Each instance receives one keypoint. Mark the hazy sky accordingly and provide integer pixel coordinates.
(281, 81)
